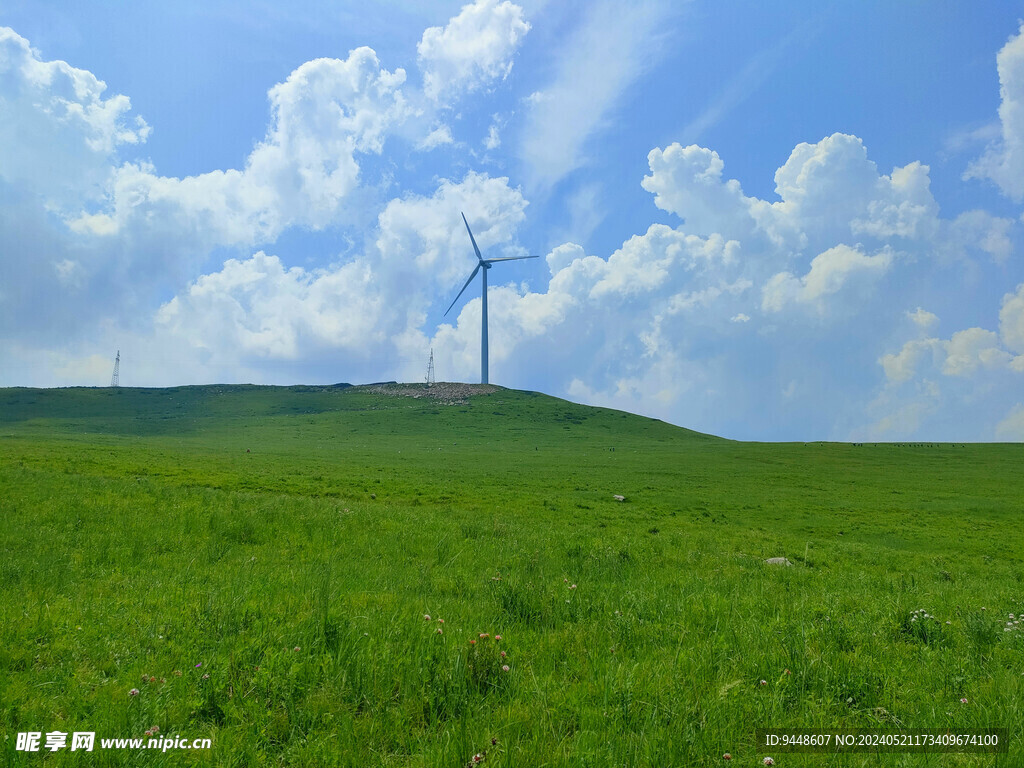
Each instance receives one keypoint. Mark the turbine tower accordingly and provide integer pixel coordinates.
(482, 266)
(115, 380)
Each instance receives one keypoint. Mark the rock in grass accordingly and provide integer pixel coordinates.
(777, 561)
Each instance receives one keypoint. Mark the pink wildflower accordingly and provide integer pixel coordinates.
(727, 756)
(497, 638)
(768, 761)
(426, 617)
(504, 667)
(963, 701)
(133, 692)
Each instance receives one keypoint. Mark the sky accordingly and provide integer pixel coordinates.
(787, 221)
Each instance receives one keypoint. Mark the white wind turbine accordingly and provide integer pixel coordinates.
(482, 266)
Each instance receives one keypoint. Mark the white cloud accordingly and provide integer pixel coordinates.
(474, 49)
(922, 318)
(687, 181)
(1011, 428)
(493, 140)
(903, 365)
(436, 138)
(369, 310)
(1011, 320)
(740, 318)
(1003, 161)
(829, 272)
(58, 132)
(596, 64)
(971, 350)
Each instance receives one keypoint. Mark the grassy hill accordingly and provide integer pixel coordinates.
(257, 563)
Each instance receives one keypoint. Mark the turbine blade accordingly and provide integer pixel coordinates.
(509, 258)
(473, 239)
(477, 269)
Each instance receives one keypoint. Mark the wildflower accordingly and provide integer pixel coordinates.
(133, 692)
(484, 634)
(199, 665)
(472, 642)
(573, 587)
(963, 701)
(497, 638)
(768, 761)
(494, 742)
(206, 676)
(504, 667)
(727, 756)
(296, 649)
(149, 733)
(177, 673)
(155, 729)
(503, 654)
(163, 680)
(440, 631)
(440, 621)
(426, 617)
(764, 682)
(477, 758)
(787, 672)
(152, 679)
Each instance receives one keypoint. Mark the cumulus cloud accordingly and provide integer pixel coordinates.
(370, 309)
(922, 318)
(966, 353)
(829, 272)
(830, 192)
(1011, 320)
(58, 132)
(971, 350)
(1003, 161)
(326, 113)
(438, 137)
(1011, 428)
(474, 49)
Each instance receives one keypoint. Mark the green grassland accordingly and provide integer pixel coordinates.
(257, 562)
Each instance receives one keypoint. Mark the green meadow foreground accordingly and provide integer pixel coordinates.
(257, 565)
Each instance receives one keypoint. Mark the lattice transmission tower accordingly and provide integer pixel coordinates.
(115, 379)
(430, 369)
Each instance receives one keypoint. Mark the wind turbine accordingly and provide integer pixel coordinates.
(482, 266)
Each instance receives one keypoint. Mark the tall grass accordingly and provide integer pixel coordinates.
(258, 563)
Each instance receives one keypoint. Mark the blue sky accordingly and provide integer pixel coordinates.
(764, 221)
